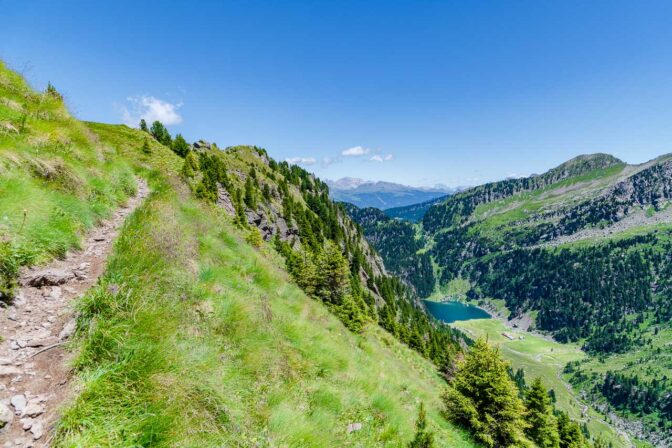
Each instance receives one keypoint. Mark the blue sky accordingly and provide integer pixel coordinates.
(419, 92)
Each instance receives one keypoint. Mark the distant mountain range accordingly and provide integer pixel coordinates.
(383, 195)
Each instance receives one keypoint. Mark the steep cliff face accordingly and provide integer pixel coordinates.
(273, 210)
(400, 246)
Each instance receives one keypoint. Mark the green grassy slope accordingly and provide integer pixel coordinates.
(193, 337)
(206, 343)
(56, 179)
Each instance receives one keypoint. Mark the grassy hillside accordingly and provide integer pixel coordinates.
(193, 337)
(56, 179)
(207, 343)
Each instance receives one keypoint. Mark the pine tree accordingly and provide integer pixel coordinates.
(250, 195)
(145, 147)
(180, 146)
(543, 428)
(143, 125)
(160, 133)
(51, 91)
(254, 238)
(483, 398)
(190, 165)
(570, 433)
(423, 437)
(350, 314)
(334, 272)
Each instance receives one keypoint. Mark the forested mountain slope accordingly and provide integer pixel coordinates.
(398, 243)
(414, 212)
(583, 249)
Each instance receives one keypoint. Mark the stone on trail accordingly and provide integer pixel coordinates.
(27, 423)
(9, 371)
(67, 330)
(49, 277)
(19, 402)
(37, 430)
(6, 415)
(33, 410)
(43, 342)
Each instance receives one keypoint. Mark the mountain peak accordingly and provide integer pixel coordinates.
(584, 163)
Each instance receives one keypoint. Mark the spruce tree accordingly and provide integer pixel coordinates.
(250, 195)
(543, 428)
(145, 147)
(483, 398)
(180, 146)
(143, 125)
(570, 433)
(334, 272)
(190, 165)
(160, 133)
(423, 437)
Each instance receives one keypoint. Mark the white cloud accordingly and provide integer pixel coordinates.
(381, 158)
(150, 109)
(355, 151)
(301, 160)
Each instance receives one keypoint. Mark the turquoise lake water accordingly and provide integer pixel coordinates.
(453, 311)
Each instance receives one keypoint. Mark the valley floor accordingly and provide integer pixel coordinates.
(544, 358)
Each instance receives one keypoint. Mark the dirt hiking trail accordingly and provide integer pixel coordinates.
(34, 366)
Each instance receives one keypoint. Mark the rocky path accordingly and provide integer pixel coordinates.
(34, 366)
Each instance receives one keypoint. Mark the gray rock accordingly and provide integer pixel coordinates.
(352, 427)
(224, 201)
(5, 361)
(43, 342)
(6, 415)
(201, 145)
(27, 423)
(55, 293)
(6, 371)
(33, 410)
(253, 218)
(68, 330)
(37, 430)
(19, 402)
(49, 277)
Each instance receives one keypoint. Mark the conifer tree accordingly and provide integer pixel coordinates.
(570, 433)
(180, 146)
(334, 272)
(350, 314)
(483, 397)
(543, 429)
(190, 165)
(145, 147)
(160, 133)
(423, 437)
(250, 195)
(143, 125)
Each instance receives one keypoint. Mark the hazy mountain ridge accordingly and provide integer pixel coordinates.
(380, 194)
